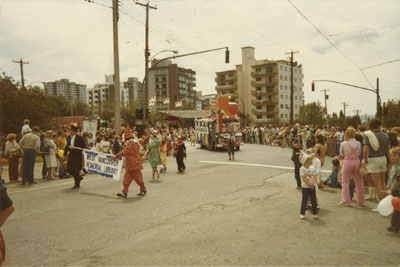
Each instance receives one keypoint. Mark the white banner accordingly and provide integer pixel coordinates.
(166, 101)
(178, 104)
(100, 163)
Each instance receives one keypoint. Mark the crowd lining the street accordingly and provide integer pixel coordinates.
(375, 151)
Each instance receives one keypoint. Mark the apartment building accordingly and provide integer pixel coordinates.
(168, 81)
(102, 93)
(71, 91)
(134, 87)
(262, 87)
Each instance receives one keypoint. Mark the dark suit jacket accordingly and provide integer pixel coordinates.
(75, 155)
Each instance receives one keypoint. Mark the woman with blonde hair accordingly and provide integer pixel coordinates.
(12, 152)
(350, 151)
(50, 157)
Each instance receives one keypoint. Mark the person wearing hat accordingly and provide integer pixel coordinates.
(30, 143)
(134, 166)
(75, 145)
(154, 154)
(180, 154)
(309, 178)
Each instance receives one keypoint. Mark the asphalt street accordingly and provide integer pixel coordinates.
(220, 212)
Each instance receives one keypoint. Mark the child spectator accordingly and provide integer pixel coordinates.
(394, 186)
(309, 178)
(296, 161)
(332, 179)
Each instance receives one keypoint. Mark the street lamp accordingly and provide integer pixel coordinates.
(173, 51)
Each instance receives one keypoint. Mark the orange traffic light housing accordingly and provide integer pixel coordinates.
(312, 86)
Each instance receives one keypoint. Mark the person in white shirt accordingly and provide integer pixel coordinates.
(26, 129)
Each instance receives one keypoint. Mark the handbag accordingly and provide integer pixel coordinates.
(363, 170)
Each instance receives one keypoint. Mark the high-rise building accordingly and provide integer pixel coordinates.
(102, 93)
(168, 81)
(71, 91)
(262, 87)
(134, 88)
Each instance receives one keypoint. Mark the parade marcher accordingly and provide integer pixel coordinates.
(164, 155)
(180, 154)
(75, 145)
(231, 146)
(30, 142)
(154, 154)
(134, 166)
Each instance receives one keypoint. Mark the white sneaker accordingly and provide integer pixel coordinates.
(375, 210)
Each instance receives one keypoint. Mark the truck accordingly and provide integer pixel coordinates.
(214, 135)
(213, 131)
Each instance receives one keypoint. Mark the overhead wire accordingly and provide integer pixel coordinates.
(331, 43)
(363, 30)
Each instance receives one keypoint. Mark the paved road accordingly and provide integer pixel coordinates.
(218, 213)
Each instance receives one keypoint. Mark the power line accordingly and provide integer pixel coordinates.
(380, 64)
(332, 44)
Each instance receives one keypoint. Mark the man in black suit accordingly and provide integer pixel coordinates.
(75, 145)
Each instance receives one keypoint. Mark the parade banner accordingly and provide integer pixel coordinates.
(101, 164)
(90, 126)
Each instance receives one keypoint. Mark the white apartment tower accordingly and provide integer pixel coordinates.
(262, 87)
(71, 91)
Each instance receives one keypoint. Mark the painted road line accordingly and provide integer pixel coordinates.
(49, 186)
(252, 164)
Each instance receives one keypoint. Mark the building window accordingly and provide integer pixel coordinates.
(280, 67)
(221, 77)
(259, 107)
(281, 96)
(258, 69)
(270, 89)
(258, 79)
(285, 78)
(222, 84)
(259, 116)
(231, 74)
(286, 87)
(286, 96)
(231, 83)
(281, 115)
(269, 70)
(285, 68)
(281, 105)
(259, 97)
(286, 115)
(258, 88)
(270, 78)
(281, 77)
(281, 86)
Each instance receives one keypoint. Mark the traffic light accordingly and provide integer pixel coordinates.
(327, 97)
(227, 56)
(312, 86)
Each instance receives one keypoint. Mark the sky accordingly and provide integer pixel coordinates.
(73, 39)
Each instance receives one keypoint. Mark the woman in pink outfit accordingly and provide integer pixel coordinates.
(350, 150)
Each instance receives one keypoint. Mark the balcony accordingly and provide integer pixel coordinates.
(274, 91)
(257, 93)
(228, 87)
(273, 101)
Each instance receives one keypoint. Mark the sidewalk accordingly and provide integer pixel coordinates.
(37, 173)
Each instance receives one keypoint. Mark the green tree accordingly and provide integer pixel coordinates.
(312, 113)
(354, 121)
(392, 118)
(80, 108)
(156, 116)
(128, 112)
(106, 112)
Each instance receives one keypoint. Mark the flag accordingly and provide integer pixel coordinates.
(178, 104)
(152, 102)
(166, 101)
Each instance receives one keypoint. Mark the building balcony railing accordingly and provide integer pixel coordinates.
(261, 112)
(273, 101)
(226, 87)
(258, 93)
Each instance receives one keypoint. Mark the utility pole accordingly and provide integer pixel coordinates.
(344, 108)
(292, 64)
(145, 94)
(357, 111)
(117, 105)
(378, 101)
(21, 65)
(326, 97)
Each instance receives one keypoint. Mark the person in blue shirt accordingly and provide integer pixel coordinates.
(332, 179)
